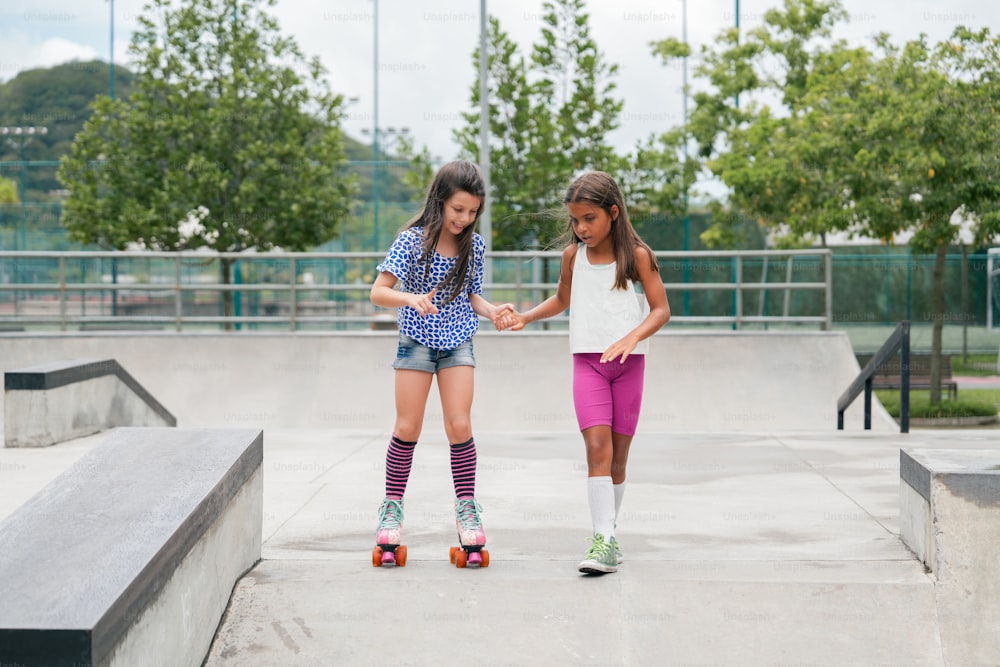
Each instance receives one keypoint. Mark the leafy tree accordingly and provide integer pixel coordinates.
(230, 140)
(514, 196)
(931, 127)
(549, 119)
(773, 150)
(8, 191)
(876, 143)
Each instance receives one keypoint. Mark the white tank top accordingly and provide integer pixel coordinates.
(599, 314)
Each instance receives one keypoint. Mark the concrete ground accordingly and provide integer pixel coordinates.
(747, 542)
(741, 549)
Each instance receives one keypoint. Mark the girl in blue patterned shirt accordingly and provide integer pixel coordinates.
(437, 261)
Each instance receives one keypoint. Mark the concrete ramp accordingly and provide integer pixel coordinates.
(695, 381)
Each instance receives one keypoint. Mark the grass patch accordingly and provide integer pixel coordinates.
(978, 365)
(972, 403)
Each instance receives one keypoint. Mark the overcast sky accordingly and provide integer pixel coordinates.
(426, 46)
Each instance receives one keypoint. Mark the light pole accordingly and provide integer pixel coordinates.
(111, 55)
(389, 134)
(485, 220)
(686, 228)
(375, 129)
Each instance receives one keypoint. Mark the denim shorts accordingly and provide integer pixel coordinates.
(413, 356)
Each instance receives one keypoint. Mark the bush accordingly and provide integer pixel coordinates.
(921, 408)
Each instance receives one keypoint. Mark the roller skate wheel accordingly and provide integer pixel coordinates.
(453, 553)
(401, 555)
(461, 558)
(377, 557)
(486, 558)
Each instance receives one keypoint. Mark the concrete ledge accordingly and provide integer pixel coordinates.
(950, 518)
(130, 556)
(61, 400)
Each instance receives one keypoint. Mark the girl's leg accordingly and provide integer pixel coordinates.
(626, 391)
(456, 385)
(600, 489)
(619, 460)
(412, 388)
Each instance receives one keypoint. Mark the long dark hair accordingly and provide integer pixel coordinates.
(457, 176)
(600, 189)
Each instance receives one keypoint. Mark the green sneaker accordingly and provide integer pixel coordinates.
(600, 557)
(619, 558)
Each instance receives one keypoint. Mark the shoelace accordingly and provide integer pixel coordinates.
(468, 513)
(390, 514)
(599, 548)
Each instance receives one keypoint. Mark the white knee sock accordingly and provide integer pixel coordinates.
(601, 493)
(619, 494)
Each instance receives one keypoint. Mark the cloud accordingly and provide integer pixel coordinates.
(18, 53)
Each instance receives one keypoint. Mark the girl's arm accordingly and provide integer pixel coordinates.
(552, 306)
(659, 310)
(384, 295)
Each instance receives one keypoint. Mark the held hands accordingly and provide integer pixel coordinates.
(423, 303)
(500, 315)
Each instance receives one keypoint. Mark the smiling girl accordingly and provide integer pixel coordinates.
(437, 260)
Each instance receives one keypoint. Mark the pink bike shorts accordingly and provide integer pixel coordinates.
(608, 394)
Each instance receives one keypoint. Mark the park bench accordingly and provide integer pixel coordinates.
(889, 377)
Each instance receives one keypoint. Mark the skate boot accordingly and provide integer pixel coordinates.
(471, 538)
(388, 551)
(600, 557)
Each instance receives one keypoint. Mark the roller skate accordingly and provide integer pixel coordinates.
(471, 538)
(601, 558)
(388, 551)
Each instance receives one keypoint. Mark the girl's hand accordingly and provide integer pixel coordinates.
(621, 348)
(423, 303)
(499, 315)
(513, 320)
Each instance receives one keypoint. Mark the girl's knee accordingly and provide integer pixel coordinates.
(407, 431)
(458, 430)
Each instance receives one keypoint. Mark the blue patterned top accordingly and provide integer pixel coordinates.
(453, 324)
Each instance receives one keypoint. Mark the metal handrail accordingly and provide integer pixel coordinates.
(898, 341)
(172, 286)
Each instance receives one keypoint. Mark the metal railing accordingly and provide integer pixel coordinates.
(898, 341)
(187, 291)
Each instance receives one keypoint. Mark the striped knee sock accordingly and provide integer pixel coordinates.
(463, 468)
(398, 462)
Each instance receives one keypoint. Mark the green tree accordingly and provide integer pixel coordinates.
(772, 148)
(8, 191)
(550, 118)
(876, 143)
(930, 127)
(230, 140)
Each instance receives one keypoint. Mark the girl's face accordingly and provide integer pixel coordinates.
(460, 211)
(591, 224)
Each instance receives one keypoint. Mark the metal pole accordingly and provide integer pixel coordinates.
(486, 224)
(111, 55)
(737, 41)
(375, 157)
(22, 239)
(685, 241)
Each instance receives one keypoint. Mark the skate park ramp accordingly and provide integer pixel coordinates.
(754, 532)
(695, 381)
